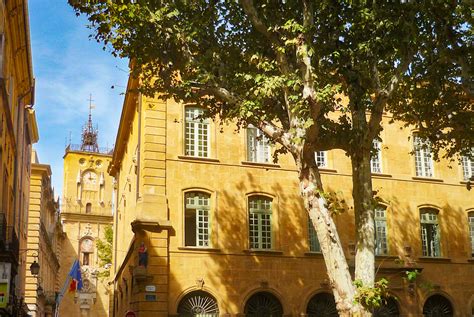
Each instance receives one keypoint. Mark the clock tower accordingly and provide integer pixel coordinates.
(86, 213)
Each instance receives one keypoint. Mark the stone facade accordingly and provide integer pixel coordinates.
(45, 238)
(86, 211)
(212, 259)
(18, 131)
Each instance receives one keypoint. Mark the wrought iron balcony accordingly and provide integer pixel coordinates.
(80, 148)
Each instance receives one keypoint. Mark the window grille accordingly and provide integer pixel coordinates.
(471, 231)
(314, 245)
(430, 235)
(438, 306)
(423, 157)
(388, 308)
(376, 159)
(263, 304)
(260, 222)
(197, 229)
(321, 158)
(198, 303)
(381, 246)
(196, 133)
(322, 304)
(467, 168)
(258, 147)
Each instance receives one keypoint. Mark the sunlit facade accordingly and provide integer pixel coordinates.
(204, 226)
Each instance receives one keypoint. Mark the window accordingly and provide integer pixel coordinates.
(196, 222)
(430, 235)
(198, 303)
(471, 231)
(321, 158)
(87, 247)
(260, 222)
(380, 231)
(314, 245)
(258, 148)
(423, 158)
(467, 167)
(197, 133)
(376, 159)
(88, 208)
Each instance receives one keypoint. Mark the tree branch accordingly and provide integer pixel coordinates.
(252, 13)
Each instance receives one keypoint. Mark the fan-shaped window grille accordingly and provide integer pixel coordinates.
(198, 303)
(389, 308)
(263, 304)
(322, 305)
(437, 306)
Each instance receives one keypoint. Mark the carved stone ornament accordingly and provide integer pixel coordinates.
(87, 230)
(200, 282)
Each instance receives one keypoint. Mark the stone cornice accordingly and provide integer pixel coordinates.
(66, 216)
(129, 106)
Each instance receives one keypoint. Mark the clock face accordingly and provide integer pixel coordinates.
(86, 245)
(90, 180)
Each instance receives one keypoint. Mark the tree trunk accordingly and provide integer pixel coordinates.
(336, 264)
(364, 218)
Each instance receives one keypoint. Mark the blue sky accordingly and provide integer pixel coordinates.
(68, 67)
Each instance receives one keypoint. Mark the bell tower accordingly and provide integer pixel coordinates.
(86, 213)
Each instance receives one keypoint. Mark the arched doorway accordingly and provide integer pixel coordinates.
(438, 306)
(322, 305)
(198, 303)
(389, 308)
(263, 304)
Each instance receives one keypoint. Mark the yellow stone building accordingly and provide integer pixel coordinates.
(45, 238)
(206, 224)
(18, 131)
(86, 211)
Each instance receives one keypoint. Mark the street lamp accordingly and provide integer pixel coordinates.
(35, 267)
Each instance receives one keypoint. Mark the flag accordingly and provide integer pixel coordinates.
(75, 277)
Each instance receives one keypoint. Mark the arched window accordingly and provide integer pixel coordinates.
(198, 303)
(260, 222)
(322, 304)
(376, 158)
(430, 233)
(437, 306)
(263, 304)
(423, 157)
(87, 248)
(389, 308)
(321, 158)
(258, 148)
(471, 231)
(196, 222)
(197, 133)
(88, 208)
(381, 246)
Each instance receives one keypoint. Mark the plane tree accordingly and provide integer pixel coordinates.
(313, 76)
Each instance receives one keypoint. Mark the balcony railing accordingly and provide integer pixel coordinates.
(78, 147)
(9, 241)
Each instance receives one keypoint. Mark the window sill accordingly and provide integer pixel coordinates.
(314, 254)
(199, 249)
(198, 159)
(260, 164)
(381, 175)
(327, 170)
(470, 260)
(386, 257)
(427, 179)
(257, 251)
(433, 259)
